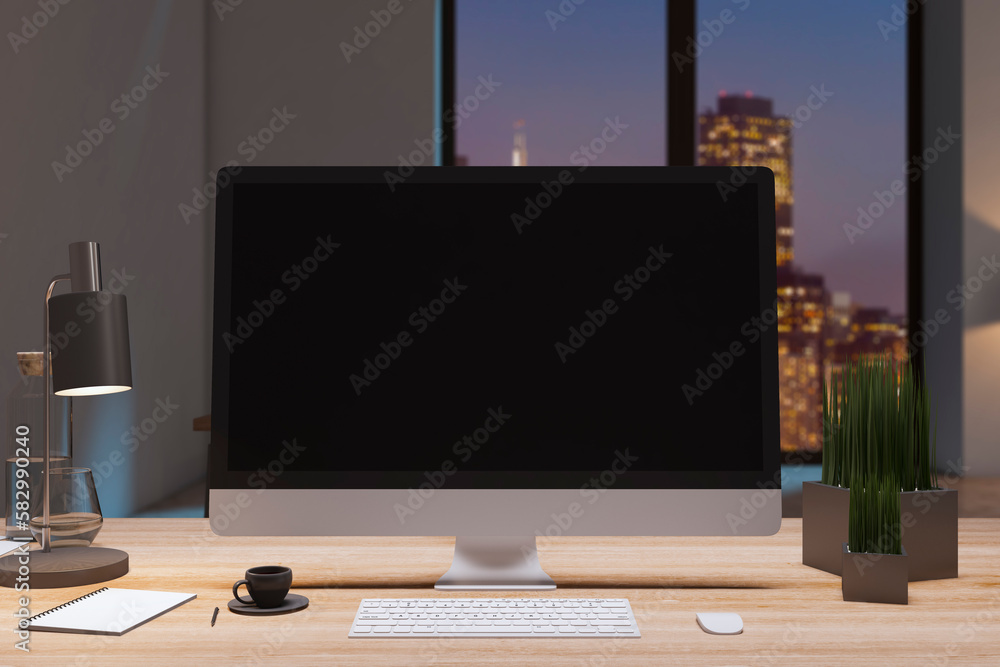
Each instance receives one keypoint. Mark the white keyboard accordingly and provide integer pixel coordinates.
(495, 617)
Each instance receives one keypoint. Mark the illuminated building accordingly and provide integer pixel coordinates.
(800, 376)
(869, 331)
(744, 131)
(802, 309)
(520, 154)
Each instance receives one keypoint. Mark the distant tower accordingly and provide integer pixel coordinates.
(520, 145)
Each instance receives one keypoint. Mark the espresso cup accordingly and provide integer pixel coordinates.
(268, 585)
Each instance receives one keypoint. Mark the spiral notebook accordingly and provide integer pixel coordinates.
(108, 611)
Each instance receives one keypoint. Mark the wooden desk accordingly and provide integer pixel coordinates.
(793, 615)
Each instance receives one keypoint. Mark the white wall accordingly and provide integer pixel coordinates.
(982, 235)
(124, 195)
(287, 54)
(226, 74)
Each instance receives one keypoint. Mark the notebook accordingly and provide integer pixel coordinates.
(6, 546)
(108, 611)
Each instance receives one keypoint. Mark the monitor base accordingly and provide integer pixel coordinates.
(495, 563)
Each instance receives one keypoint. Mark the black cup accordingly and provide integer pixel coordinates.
(268, 585)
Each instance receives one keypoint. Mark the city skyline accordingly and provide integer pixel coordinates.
(605, 61)
(817, 333)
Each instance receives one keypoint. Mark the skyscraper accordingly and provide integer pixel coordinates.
(520, 155)
(803, 302)
(745, 131)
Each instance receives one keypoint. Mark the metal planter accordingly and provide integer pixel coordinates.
(930, 533)
(929, 521)
(824, 525)
(879, 578)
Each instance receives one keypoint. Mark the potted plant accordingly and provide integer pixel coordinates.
(876, 421)
(874, 561)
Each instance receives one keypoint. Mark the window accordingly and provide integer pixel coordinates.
(562, 72)
(817, 93)
(814, 91)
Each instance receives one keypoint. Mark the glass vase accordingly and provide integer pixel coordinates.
(74, 512)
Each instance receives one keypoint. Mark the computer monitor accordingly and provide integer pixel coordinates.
(497, 354)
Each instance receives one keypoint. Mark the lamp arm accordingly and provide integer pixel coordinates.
(46, 541)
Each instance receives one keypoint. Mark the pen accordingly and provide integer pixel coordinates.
(215, 616)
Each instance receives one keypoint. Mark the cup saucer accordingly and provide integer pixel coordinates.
(291, 603)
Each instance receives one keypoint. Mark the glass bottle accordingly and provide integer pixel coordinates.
(24, 442)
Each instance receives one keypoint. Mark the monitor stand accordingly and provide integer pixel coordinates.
(495, 563)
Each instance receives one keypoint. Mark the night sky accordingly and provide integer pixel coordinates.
(607, 59)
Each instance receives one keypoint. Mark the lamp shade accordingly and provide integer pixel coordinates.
(90, 344)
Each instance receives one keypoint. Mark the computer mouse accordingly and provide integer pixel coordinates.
(721, 624)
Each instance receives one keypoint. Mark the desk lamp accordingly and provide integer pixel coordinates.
(96, 360)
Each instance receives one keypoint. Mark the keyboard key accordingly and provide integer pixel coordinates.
(567, 630)
(506, 629)
(605, 629)
(423, 628)
(382, 628)
(545, 628)
(362, 628)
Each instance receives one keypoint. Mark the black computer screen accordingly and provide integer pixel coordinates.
(507, 331)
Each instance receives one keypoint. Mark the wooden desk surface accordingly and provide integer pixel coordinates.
(793, 615)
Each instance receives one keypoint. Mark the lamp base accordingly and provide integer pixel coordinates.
(63, 568)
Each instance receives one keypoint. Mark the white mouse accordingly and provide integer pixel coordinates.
(721, 624)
